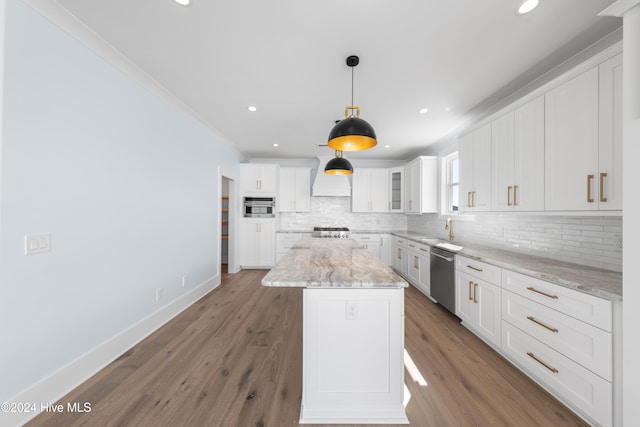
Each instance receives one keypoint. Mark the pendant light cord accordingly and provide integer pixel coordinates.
(352, 86)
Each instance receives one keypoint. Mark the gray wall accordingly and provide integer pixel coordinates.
(126, 185)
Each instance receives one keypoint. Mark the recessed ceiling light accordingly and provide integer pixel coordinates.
(252, 108)
(387, 146)
(527, 6)
(276, 145)
(447, 109)
(423, 110)
(183, 2)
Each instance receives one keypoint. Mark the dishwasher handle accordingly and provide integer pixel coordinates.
(443, 257)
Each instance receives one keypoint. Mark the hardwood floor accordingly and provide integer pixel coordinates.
(234, 359)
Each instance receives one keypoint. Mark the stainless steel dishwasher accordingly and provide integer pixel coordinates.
(443, 283)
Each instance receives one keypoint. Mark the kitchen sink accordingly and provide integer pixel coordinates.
(449, 246)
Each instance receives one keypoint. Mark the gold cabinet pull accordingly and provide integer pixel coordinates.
(474, 268)
(509, 195)
(469, 199)
(589, 198)
(475, 292)
(474, 198)
(537, 322)
(415, 262)
(515, 195)
(399, 253)
(470, 286)
(551, 368)
(602, 176)
(532, 289)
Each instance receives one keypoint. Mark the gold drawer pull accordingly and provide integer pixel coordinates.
(536, 321)
(551, 368)
(602, 176)
(474, 268)
(531, 288)
(470, 286)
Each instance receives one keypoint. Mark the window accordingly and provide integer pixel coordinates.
(450, 180)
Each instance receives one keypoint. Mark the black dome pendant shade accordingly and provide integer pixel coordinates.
(338, 165)
(352, 133)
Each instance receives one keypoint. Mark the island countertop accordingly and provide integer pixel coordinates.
(332, 263)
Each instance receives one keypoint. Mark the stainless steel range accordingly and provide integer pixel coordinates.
(331, 232)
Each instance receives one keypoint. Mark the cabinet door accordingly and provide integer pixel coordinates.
(379, 190)
(302, 196)
(360, 189)
(385, 249)
(400, 259)
(249, 178)
(424, 277)
(571, 144)
(412, 187)
(266, 243)
(286, 190)
(465, 308)
(413, 269)
(489, 309)
(396, 186)
(268, 178)
(481, 159)
(502, 153)
(528, 183)
(610, 137)
(248, 243)
(465, 159)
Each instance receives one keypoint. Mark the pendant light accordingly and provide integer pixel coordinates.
(352, 133)
(338, 165)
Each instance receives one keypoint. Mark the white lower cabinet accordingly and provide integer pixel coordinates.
(478, 306)
(370, 241)
(385, 249)
(418, 269)
(285, 241)
(257, 243)
(563, 339)
(399, 255)
(568, 380)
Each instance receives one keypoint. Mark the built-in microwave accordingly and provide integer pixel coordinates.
(259, 207)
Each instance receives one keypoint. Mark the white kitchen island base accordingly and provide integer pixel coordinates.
(353, 348)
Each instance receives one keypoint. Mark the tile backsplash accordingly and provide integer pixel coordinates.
(336, 212)
(586, 240)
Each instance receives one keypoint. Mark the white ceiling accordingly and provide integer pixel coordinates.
(287, 57)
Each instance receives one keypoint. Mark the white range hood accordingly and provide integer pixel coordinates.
(330, 185)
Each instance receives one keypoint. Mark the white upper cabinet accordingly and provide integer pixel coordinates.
(257, 178)
(370, 190)
(294, 190)
(571, 143)
(583, 147)
(517, 149)
(396, 189)
(421, 185)
(475, 170)
(610, 143)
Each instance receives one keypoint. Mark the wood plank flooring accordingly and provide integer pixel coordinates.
(235, 359)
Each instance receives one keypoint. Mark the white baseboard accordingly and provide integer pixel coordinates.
(64, 380)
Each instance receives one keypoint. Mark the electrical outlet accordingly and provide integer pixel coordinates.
(159, 294)
(184, 280)
(352, 310)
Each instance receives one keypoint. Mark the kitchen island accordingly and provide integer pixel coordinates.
(353, 332)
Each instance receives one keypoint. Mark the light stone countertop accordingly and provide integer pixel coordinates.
(332, 263)
(594, 281)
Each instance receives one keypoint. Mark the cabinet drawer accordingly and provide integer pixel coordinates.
(589, 346)
(399, 241)
(291, 237)
(574, 384)
(593, 310)
(479, 269)
(418, 248)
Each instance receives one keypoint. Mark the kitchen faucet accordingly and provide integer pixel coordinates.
(449, 226)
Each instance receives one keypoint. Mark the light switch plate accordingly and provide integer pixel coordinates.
(37, 243)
